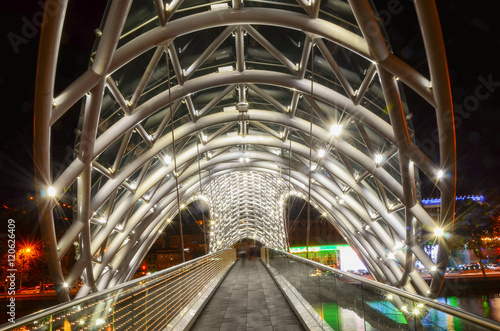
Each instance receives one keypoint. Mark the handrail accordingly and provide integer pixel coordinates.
(483, 321)
(149, 279)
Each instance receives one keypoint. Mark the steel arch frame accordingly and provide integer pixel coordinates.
(352, 219)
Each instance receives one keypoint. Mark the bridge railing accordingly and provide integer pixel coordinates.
(162, 301)
(344, 301)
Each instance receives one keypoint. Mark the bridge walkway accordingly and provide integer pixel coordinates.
(248, 299)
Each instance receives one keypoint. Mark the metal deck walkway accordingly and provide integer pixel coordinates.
(248, 299)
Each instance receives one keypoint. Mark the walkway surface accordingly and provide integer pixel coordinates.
(248, 299)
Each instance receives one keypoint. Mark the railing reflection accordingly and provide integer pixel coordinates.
(349, 302)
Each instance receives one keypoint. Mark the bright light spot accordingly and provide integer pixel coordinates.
(65, 284)
(336, 129)
(51, 191)
(212, 233)
(390, 255)
(378, 158)
(438, 232)
(313, 167)
(433, 268)
(440, 174)
(350, 260)
(404, 308)
(167, 159)
(416, 312)
(247, 159)
(324, 214)
(389, 297)
(321, 153)
(99, 321)
(341, 201)
(183, 206)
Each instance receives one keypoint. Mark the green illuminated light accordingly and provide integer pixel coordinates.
(317, 248)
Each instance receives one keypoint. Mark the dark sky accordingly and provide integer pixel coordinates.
(472, 43)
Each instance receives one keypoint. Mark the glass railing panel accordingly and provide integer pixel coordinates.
(147, 303)
(350, 302)
(329, 299)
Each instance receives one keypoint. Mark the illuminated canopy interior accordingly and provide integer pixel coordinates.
(243, 104)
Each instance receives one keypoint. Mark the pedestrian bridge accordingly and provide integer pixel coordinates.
(277, 291)
(242, 105)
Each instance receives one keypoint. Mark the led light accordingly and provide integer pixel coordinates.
(378, 158)
(433, 268)
(416, 312)
(51, 191)
(321, 153)
(438, 232)
(313, 167)
(65, 284)
(247, 159)
(440, 174)
(336, 129)
(404, 308)
(390, 255)
(389, 297)
(242, 159)
(167, 159)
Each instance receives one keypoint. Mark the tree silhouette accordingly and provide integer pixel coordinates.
(475, 223)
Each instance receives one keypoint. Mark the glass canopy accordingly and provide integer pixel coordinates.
(244, 103)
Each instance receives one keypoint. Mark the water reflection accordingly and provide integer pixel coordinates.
(487, 305)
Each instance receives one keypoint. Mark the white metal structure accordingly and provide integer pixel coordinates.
(187, 99)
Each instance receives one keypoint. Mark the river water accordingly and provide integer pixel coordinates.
(486, 304)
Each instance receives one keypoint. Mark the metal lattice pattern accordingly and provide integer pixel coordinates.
(304, 92)
(246, 205)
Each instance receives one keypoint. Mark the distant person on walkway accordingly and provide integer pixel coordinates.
(243, 254)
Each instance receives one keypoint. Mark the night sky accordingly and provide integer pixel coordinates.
(472, 43)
